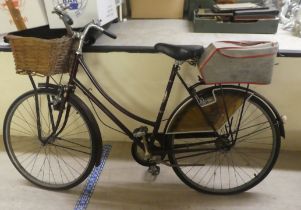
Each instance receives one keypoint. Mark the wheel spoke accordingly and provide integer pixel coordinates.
(234, 166)
(62, 162)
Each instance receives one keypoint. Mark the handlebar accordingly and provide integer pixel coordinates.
(109, 34)
(60, 11)
(68, 19)
(86, 30)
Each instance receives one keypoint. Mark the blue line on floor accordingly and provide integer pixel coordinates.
(88, 190)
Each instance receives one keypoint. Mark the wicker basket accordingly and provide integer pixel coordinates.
(35, 56)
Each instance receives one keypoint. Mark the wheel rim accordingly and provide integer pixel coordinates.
(232, 169)
(60, 164)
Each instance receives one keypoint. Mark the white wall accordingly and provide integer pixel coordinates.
(138, 81)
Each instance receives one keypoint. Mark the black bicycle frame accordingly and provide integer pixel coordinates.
(65, 91)
(74, 82)
(155, 124)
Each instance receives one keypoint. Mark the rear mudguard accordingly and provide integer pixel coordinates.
(243, 89)
(98, 139)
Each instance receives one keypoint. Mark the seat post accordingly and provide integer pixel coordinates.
(175, 68)
(178, 63)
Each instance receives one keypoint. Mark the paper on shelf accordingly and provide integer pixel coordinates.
(237, 6)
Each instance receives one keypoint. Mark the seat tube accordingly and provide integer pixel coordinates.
(170, 83)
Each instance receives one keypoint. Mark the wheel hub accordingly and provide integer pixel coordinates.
(48, 140)
(223, 143)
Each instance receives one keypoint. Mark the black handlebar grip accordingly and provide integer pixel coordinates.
(67, 19)
(109, 34)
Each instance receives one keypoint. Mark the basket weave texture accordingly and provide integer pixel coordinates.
(35, 56)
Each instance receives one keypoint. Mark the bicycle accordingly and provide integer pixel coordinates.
(210, 140)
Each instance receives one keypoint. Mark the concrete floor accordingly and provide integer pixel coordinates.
(126, 185)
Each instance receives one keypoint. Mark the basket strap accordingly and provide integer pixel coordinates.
(16, 15)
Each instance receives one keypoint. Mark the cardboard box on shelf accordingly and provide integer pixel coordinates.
(18, 15)
(172, 9)
(82, 12)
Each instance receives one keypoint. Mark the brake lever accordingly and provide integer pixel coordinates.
(109, 34)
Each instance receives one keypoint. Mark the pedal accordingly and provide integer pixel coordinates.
(140, 133)
(154, 170)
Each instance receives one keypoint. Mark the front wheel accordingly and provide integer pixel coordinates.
(67, 158)
(239, 157)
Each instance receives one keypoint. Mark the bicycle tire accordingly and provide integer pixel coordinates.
(219, 162)
(67, 160)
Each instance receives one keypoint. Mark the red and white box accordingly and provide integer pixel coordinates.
(238, 62)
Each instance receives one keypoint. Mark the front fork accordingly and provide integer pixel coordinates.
(59, 104)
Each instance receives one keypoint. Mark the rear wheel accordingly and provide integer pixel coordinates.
(220, 165)
(66, 159)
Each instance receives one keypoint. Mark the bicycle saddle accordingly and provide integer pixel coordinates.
(180, 52)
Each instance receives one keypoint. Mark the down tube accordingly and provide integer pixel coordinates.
(103, 108)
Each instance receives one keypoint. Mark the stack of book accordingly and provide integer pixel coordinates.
(254, 15)
(210, 14)
(238, 12)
